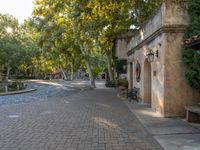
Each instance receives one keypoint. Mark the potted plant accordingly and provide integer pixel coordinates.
(122, 83)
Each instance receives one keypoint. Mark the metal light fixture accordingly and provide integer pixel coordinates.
(150, 55)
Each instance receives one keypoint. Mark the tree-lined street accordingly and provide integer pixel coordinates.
(100, 75)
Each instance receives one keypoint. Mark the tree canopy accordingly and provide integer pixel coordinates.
(83, 28)
(70, 34)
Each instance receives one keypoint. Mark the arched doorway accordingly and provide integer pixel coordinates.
(147, 82)
(131, 76)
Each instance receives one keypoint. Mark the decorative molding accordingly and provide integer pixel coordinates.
(161, 30)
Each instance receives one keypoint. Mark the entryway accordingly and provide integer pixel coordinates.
(131, 76)
(147, 82)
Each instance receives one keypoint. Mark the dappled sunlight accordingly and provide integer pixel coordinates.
(149, 112)
(142, 34)
(82, 82)
(145, 50)
(106, 123)
(160, 102)
(64, 88)
(13, 116)
(103, 105)
(158, 94)
(51, 83)
(48, 83)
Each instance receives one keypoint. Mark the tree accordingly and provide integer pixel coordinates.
(32, 61)
(90, 24)
(71, 31)
(11, 47)
(111, 18)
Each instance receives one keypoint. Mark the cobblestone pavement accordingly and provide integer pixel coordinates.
(87, 120)
(45, 90)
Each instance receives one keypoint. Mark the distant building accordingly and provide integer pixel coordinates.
(55, 75)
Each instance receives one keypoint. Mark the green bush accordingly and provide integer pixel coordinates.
(12, 86)
(16, 85)
(121, 66)
(122, 82)
(2, 89)
(191, 59)
(110, 83)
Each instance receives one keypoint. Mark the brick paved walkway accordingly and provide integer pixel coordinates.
(89, 120)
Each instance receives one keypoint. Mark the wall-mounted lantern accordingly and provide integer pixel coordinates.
(150, 55)
(194, 43)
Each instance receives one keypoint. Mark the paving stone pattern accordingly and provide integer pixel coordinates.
(43, 93)
(88, 120)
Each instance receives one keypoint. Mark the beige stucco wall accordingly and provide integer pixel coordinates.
(157, 74)
(157, 67)
(174, 12)
(147, 29)
(178, 93)
(121, 46)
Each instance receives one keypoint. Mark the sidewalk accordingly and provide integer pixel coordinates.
(170, 133)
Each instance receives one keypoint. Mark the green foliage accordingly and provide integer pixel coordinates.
(121, 66)
(143, 9)
(11, 48)
(80, 27)
(68, 34)
(110, 83)
(122, 82)
(17, 45)
(16, 85)
(98, 64)
(13, 86)
(191, 59)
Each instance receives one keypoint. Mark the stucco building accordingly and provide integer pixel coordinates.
(162, 82)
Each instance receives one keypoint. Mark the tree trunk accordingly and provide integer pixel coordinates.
(84, 52)
(71, 71)
(8, 73)
(45, 72)
(39, 70)
(92, 81)
(110, 73)
(45, 67)
(64, 75)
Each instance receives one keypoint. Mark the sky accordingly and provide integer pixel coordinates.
(20, 9)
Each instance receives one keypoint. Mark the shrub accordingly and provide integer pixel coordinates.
(191, 59)
(12, 86)
(16, 85)
(122, 82)
(110, 83)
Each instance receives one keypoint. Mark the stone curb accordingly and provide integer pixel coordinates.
(18, 92)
